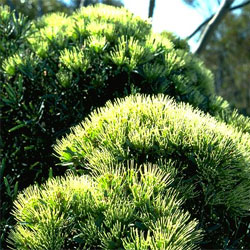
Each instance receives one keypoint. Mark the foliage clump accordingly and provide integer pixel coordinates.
(116, 210)
(54, 71)
(57, 69)
(211, 159)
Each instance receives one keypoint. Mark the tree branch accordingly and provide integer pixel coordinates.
(9, 2)
(212, 25)
(207, 20)
(40, 8)
(151, 8)
(81, 3)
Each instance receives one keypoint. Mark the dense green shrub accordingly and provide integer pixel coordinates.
(117, 210)
(55, 70)
(211, 158)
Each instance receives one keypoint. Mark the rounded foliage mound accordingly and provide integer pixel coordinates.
(116, 210)
(210, 160)
(54, 71)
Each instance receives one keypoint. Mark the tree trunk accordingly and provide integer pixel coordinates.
(151, 8)
(89, 2)
(40, 8)
(212, 25)
(11, 5)
(208, 19)
(82, 3)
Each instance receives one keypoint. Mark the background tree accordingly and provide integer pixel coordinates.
(151, 8)
(227, 50)
(212, 25)
(228, 56)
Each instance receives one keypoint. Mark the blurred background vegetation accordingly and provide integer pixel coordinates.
(228, 56)
(228, 51)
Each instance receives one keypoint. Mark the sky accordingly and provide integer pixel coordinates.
(170, 15)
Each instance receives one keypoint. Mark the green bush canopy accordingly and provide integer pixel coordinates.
(117, 210)
(55, 70)
(209, 160)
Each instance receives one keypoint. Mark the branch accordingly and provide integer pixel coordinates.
(9, 2)
(207, 20)
(199, 27)
(212, 25)
(151, 8)
(81, 3)
(40, 8)
(239, 6)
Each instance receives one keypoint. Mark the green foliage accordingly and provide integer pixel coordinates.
(178, 43)
(116, 210)
(222, 111)
(211, 158)
(54, 71)
(13, 32)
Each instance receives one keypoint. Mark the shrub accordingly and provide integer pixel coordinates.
(56, 70)
(211, 158)
(116, 210)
